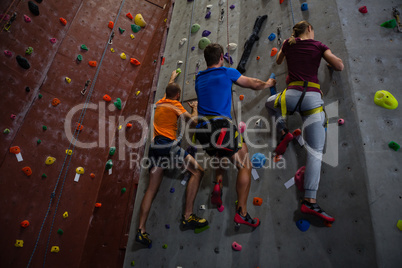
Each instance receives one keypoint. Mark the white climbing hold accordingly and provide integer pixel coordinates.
(179, 62)
(183, 41)
(209, 7)
(232, 46)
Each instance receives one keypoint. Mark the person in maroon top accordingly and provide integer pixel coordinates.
(303, 56)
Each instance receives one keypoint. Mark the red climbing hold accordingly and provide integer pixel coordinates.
(92, 175)
(299, 178)
(53, 40)
(92, 63)
(107, 98)
(8, 53)
(128, 15)
(363, 9)
(63, 21)
(79, 127)
(134, 61)
(55, 102)
(281, 1)
(15, 150)
(98, 205)
(27, 171)
(163, 60)
(257, 201)
(111, 24)
(25, 224)
(129, 125)
(274, 51)
(296, 132)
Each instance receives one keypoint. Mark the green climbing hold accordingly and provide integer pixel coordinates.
(60, 231)
(389, 24)
(40, 96)
(29, 50)
(123, 190)
(164, 246)
(79, 57)
(112, 151)
(201, 229)
(132, 263)
(44, 127)
(109, 164)
(44, 175)
(84, 47)
(394, 146)
(117, 103)
(38, 141)
(195, 28)
(178, 71)
(121, 30)
(135, 28)
(6, 131)
(203, 43)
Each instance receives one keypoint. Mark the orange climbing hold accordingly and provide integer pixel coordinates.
(55, 102)
(281, 1)
(15, 150)
(128, 15)
(98, 205)
(134, 61)
(257, 201)
(92, 175)
(25, 224)
(79, 127)
(129, 125)
(274, 51)
(111, 24)
(63, 21)
(107, 98)
(241, 97)
(258, 57)
(27, 171)
(92, 63)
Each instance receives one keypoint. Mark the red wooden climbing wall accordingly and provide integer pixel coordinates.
(92, 237)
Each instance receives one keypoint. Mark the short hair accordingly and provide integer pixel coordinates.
(212, 53)
(172, 90)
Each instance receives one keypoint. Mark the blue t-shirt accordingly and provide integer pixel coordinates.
(214, 90)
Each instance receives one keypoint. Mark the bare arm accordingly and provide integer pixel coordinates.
(254, 83)
(335, 62)
(173, 77)
(194, 113)
(280, 57)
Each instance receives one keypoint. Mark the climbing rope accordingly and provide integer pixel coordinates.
(69, 157)
(291, 10)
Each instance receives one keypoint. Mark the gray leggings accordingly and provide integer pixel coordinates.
(313, 129)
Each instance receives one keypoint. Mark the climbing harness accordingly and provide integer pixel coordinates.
(85, 87)
(396, 14)
(278, 31)
(111, 38)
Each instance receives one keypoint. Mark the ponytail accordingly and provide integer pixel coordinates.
(298, 30)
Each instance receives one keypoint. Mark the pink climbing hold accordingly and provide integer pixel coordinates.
(363, 9)
(8, 53)
(299, 178)
(242, 127)
(221, 208)
(236, 246)
(53, 40)
(341, 121)
(27, 19)
(13, 116)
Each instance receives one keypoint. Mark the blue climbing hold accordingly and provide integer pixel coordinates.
(271, 37)
(208, 15)
(172, 190)
(303, 225)
(304, 7)
(258, 160)
(228, 58)
(205, 33)
(273, 89)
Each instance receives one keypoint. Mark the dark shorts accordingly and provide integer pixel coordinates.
(218, 136)
(165, 152)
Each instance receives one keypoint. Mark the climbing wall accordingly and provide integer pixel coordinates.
(75, 220)
(360, 182)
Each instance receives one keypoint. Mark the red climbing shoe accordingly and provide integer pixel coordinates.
(283, 144)
(216, 198)
(314, 209)
(246, 220)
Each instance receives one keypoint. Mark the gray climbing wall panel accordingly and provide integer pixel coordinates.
(360, 182)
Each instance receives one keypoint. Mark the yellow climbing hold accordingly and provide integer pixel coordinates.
(65, 215)
(112, 49)
(137, 93)
(68, 80)
(55, 249)
(139, 20)
(50, 160)
(19, 243)
(132, 36)
(399, 225)
(120, 127)
(69, 152)
(165, 20)
(123, 56)
(385, 99)
(80, 170)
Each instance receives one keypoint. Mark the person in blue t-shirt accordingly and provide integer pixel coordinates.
(215, 130)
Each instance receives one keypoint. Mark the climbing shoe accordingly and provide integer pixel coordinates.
(283, 143)
(246, 219)
(314, 209)
(216, 198)
(143, 238)
(193, 222)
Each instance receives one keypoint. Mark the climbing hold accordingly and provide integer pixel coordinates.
(257, 201)
(121, 30)
(258, 160)
(109, 164)
(172, 190)
(50, 160)
(271, 37)
(167, 226)
(111, 24)
(242, 127)
(232, 46)
(29, 50)
(79, 170)
(399, 225)
(27, 89)
(182, 41)
(12, 116)
(112, 151)
(68, 79)
(55, 102)
(232, 7)
(65, 215)
(8, 53)
(135, 28)
(19, 243)
(228, 58)
(139, 20)
(192, 48)
(117, 103)
(134, 61)
(79, 57)
(128, 15)
(24, 224)
(208, 15)
(44, 176)
(53, 40)
(79, 126)
(129, 125)
(107, 98)
(221, 208)
(394, 146)
(98, 205)
(258, 58)
(123, 190)
(92, 63)
(15, 150)
(60, 231)
(389, 24)
(205, 33)
(132, 263)
(299, 178)
(179, 62)
(6, 131)
(202, 207)
(40, 96)
(304, 7)
(27, 19)
(303, 225)
(236, 246)
(123, 56)
(281, 1)
(132, 36)
(38, 141)
(55, 249)
(33, 8)
(274, 51)
(112, 49)
(84, 47)
(92, 175)
(27, 171)
(44, 127)
(195, 27)
(201, 229)
(165, 246)
(385, 99)
(63, 21)
(272, 89)
(178, 71)
(23, 62)
(241, 97)
(363, 9)
(341, 121)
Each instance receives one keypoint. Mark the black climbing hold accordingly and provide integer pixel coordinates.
(27, 89)
(38, 1)
(33, 8)
(23, 62)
